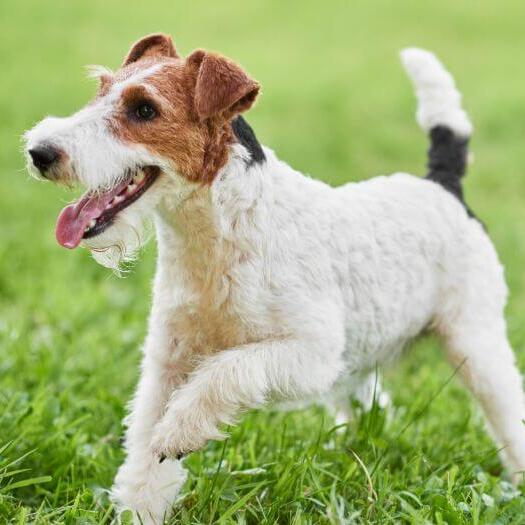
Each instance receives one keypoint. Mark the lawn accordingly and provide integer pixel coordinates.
(335, 104)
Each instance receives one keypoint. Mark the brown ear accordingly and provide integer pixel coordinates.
(157, 45)
(222, 86)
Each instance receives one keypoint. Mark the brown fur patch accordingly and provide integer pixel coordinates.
(195, 101)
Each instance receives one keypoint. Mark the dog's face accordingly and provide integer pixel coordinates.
(158, 128)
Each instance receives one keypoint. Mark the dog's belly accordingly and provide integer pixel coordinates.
(384, 313)
(365, 355)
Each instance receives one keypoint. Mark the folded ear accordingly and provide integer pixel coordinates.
(222, 87)
(157, 45)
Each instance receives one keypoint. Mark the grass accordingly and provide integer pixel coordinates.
(336, 104)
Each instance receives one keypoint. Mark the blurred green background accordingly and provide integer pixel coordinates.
(336, 105)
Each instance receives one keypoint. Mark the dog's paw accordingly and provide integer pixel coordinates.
(147, 490)
(180, 437)
(167, 442)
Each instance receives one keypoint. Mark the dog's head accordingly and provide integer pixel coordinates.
(158, 128)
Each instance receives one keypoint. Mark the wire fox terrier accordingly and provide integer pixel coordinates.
(269, 283)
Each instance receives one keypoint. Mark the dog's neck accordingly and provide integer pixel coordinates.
(211, 229)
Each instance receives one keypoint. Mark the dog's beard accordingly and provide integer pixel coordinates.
(121, 242)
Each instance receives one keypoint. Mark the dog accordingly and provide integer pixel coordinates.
(270, 284)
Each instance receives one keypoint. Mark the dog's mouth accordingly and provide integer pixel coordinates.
(96, 211)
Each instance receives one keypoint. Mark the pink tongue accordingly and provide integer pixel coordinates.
(74, 219)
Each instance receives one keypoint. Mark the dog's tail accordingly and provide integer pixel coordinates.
(440, 114)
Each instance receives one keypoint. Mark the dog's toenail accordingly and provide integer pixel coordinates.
(162, 458)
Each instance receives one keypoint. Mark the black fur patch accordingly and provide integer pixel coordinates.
(447, 161)
(247, 138)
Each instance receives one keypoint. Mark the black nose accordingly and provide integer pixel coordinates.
(44, 157)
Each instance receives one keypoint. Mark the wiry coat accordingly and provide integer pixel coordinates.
(270, 284)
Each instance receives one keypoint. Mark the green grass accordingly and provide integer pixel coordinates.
(335, 104)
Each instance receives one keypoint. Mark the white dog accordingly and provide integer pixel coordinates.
(269, 283)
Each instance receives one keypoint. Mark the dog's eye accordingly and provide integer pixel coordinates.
(145, 111)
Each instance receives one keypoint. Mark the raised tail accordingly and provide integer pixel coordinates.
(440, 114)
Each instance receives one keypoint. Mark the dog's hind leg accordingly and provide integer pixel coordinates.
(476, 341)
(486, 364)
(366, 389)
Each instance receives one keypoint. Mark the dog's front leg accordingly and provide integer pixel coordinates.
(142, 484)
(242, 377)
